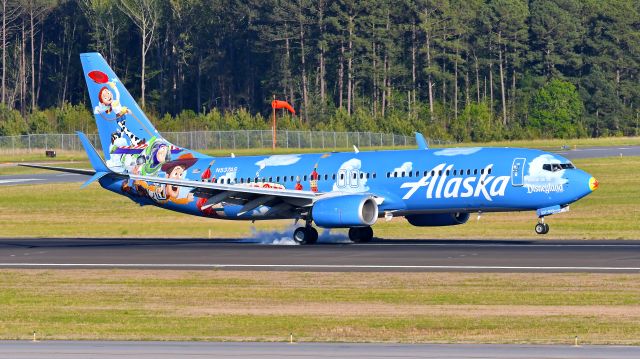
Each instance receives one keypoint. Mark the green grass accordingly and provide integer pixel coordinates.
(360, 307)
(63, 210)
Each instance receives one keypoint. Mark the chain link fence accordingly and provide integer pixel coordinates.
(223, 140)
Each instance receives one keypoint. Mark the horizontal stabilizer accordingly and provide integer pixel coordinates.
(96, 162)
(96, 176)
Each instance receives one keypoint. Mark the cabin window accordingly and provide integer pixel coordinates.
(482, 171)
(402, 173)
(489, 171)
(447, 172)
(468, 172)
(433, 173)
(305, 178)
(475, 172)
(361, 175)
(440, 173)
(334, 176)
(373, 175)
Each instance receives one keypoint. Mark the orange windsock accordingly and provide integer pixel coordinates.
(277, 104)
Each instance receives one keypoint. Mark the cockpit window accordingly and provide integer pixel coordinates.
(554, 167)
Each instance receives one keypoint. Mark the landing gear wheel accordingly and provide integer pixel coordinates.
(542, 228)
(305, 235)
(361, 234)
(313, 235)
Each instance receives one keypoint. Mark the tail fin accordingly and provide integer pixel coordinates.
(119, 118)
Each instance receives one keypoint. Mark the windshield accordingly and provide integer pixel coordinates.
(553, 167)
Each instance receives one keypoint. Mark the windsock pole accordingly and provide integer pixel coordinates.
(273, 125)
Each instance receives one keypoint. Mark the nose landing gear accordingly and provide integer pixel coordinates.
(541, 227)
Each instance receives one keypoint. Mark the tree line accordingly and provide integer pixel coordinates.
(455, 69)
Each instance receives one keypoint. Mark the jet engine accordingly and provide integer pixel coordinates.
(353, 210)
(438, 219)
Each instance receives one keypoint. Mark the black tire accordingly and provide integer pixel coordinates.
(540, 228)
(354, 234)
(546, 228)
(312, 234)
(366, 234)
(300, 235)
(361, 234)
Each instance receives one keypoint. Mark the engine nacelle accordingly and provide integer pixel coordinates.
(438, 219)
(354, 210)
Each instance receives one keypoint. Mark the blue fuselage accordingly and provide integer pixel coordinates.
(407, 181)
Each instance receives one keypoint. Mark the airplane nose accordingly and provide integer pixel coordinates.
(593, 184)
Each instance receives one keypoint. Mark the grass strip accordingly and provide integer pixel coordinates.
(355, 307)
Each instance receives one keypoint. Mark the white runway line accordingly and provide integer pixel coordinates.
(19, 180)
(309, 266)
(474, 245)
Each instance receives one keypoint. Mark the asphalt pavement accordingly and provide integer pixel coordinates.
(340, 256)
(161, 350)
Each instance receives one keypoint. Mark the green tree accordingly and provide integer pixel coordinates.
(556, 110)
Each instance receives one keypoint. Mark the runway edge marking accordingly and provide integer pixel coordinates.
(312, 266)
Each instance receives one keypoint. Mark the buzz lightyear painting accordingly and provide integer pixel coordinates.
(157, 153)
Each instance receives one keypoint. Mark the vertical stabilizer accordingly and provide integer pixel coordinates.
(120, 120)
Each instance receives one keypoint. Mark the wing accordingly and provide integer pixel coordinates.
(280, 201)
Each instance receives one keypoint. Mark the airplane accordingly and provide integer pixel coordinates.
(429, 187)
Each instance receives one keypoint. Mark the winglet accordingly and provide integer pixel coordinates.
(96, 162)
(421, 142)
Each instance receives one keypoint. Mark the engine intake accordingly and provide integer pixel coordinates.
(355, 210)
(438, 219)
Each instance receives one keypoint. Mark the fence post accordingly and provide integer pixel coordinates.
(310, 139)
(29, 142)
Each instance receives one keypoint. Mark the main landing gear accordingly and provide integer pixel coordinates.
(306, 234)
(361, 234)
(541, 227)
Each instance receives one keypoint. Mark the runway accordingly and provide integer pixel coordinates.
(41, 178)
(380, 255)
(159, 350)
(54, 177)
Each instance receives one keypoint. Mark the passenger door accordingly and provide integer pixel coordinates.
(517, 172)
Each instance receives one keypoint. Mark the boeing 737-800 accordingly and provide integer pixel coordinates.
(429, 187)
